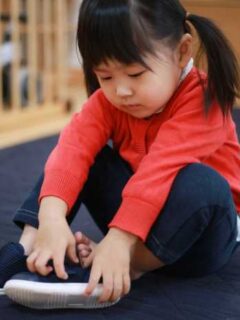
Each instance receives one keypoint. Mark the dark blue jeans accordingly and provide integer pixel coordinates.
(194, 234)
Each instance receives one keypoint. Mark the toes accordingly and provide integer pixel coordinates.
(81, 238)
(83, 246)
(87, 261)
(83, 250)
(84, 253)
(78, 235)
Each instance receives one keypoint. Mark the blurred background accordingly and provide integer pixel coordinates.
(41, 81)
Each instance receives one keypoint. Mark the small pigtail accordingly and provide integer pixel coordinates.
(223, 70)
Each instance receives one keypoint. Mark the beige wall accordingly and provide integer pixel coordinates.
(225, 13)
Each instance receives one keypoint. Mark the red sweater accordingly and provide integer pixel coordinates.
(156, 148)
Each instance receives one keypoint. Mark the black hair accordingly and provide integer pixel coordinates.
(223, 69)
(126, 30)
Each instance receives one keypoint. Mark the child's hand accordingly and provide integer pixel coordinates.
(53, 242)
(54, 239)
(112, 263)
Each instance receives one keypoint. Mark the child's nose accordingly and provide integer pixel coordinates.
(123, 91)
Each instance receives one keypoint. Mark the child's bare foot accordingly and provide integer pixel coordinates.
(85, 249)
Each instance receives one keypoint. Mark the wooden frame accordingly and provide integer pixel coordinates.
(46, 29)
(15, 84)
(39, 68)
(1, 82)
(45, 53)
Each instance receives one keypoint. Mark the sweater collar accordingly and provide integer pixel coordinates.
(186, 70)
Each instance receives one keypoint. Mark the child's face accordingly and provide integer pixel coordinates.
(137, 90)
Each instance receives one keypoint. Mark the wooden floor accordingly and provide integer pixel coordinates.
(30, 124)
(19, 128)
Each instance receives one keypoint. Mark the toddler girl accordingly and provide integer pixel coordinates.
(166, 194)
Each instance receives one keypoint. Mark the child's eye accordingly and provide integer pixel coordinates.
(105, 78)
(135, 75)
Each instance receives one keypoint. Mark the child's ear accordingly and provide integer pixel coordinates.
(185, 50)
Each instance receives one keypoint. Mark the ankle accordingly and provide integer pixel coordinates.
(143, 260)
(136, 274)
(27, 239)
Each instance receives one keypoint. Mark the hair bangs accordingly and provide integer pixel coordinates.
(123, 30)
(103, 34)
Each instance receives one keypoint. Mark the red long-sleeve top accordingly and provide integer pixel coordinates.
(156, 149)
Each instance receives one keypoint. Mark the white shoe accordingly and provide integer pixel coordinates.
(38, 292)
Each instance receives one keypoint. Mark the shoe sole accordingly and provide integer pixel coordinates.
(39, 295)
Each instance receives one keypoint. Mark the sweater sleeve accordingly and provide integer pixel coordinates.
(188, 136)
(67, 167)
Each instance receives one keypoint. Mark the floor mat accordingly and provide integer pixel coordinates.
(154, 296)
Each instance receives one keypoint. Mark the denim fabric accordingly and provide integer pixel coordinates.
(194, 234)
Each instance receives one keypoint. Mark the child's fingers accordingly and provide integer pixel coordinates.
(31, 261)
(41, 263)
(126, 283)
(38, 263)
(108, 284)
(117, 291)
(72, 252)
(95, 276)
(58, 263)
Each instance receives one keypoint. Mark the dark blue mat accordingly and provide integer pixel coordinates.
(216, 297)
